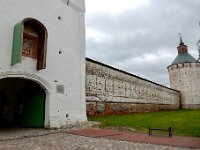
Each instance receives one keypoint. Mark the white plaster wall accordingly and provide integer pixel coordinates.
(68, 69)
(105, 84)
(186, 78)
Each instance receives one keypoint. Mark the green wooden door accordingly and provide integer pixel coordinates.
(33, 108)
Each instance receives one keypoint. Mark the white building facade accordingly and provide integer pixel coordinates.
(42, 63)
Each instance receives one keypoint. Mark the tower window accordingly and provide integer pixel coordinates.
(30, 40)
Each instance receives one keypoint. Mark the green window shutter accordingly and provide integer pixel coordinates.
(17, 44)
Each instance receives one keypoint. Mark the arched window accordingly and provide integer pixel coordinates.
(30, 40)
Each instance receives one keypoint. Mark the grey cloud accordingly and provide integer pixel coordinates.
(145, 30)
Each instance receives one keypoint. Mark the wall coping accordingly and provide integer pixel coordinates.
(130, 74)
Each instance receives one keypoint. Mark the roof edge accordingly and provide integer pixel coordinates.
(100, 63)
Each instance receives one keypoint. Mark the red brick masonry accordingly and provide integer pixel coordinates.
(179, 141)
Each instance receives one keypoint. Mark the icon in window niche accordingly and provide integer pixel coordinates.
(29, 47)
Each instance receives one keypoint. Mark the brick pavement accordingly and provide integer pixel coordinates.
(43, 139)
(179, 141)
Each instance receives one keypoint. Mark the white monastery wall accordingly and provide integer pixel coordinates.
(109, 90)
(185, 78)
(65, 59)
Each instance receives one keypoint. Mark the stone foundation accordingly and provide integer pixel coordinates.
(194, 106)
(104, 108)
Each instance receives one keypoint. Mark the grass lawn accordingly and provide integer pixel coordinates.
(183, 122)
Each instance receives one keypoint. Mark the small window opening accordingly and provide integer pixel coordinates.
(30, 40)
(34, 41)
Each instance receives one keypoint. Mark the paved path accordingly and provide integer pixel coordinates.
(179, 141)
(41, 139)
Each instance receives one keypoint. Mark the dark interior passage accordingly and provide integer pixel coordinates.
(22, 103)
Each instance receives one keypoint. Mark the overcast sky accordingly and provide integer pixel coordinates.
(141, 36)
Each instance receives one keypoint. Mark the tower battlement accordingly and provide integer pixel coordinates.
(183, 65)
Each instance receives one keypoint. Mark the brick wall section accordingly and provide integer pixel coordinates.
(112, 91)
(186, 78)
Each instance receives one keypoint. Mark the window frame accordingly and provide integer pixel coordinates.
(18, 37)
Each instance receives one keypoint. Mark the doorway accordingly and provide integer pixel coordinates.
(22, 103)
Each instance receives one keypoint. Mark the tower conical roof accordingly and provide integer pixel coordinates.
(183, 55)
(183, 58)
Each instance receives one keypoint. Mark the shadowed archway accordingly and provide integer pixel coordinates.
(22, 103)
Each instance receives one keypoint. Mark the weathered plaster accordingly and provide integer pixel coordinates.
(185, 78)
(109, 90)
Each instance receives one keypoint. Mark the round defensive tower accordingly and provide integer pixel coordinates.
(184, 75)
